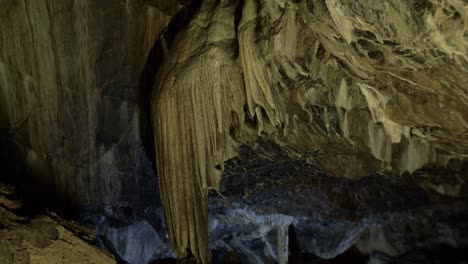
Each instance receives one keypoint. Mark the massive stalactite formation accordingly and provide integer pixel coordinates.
(370, 86)
(192, 109)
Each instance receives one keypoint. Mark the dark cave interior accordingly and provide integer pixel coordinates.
(234, 131)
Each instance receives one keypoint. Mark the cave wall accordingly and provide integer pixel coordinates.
(72, 79)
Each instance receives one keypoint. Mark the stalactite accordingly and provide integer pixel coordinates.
(258, 83)
(191, 116)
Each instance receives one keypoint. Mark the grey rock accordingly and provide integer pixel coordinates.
(137, 243)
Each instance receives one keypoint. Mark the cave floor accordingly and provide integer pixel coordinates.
(43, 237)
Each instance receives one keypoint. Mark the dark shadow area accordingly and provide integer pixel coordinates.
(38, 197)
(31, 184)
(15, 173)
(147, 79)
(164, 261)
(12, 168)
(293, 246)
(237, 19)
(438, 255)
(352, 255)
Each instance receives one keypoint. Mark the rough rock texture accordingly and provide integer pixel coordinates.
(43, 238)
(372, 86)
(275, 205)
(72, 75)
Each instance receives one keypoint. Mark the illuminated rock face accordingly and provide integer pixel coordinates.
(370, 86)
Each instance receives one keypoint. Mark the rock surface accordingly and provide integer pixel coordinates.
(272, 208)
(72, 82)
(268, 200)
(137, 241)
(43, 238)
